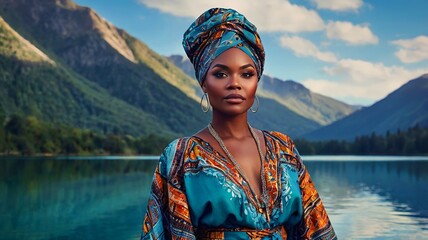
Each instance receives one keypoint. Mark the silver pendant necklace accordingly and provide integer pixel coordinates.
(264, 197)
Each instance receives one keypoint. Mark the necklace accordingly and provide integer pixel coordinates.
(264, 196)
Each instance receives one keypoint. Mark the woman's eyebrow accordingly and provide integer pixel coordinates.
(220, 66)
(246, 66)
(226, 67)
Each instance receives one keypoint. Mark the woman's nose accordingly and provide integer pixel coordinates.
(234, 81)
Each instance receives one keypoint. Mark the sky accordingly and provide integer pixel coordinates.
(356, 51)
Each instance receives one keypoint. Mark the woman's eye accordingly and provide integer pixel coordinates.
(247, 75)
(220, 75)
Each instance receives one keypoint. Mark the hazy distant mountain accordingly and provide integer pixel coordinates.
(298, 98)
(294, 96)
(275, 116)
(401, 109)
(183, 63)
(113, 62)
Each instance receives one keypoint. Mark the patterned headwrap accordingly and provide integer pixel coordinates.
(216, 31)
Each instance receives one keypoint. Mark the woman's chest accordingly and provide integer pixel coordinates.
(218, 195)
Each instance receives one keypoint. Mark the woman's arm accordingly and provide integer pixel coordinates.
(315, 223)
(167, 215)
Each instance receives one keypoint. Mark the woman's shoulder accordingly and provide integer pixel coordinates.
(172, 147)
(173, 154)
(285, 145)
(282, 138)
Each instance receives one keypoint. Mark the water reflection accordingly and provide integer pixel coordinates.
(72, 199)
(374, 200)
(105, 198)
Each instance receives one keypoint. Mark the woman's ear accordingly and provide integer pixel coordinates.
(204, 86)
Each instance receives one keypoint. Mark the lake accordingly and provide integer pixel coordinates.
(105, 197)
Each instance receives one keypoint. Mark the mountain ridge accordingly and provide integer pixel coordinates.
(405, 107)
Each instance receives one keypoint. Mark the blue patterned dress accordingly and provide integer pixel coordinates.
(198, 194)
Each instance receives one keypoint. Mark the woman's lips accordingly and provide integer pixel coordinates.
(234, 98)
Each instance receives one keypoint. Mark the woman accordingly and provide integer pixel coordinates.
(231, 181)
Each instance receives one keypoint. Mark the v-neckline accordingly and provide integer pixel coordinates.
(221, 155)
(256, 199)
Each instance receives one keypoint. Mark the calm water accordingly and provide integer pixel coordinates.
(104, 198)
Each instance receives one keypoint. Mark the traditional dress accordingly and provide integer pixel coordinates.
(197, 193)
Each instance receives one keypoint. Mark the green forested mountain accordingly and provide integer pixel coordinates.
(404, 108)
(99, 59)
(31, 83)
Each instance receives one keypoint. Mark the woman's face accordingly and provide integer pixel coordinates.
(231, 82)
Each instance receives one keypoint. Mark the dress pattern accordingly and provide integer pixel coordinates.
(198, 194)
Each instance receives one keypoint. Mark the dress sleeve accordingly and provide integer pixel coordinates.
(314, 223)
(167, 215)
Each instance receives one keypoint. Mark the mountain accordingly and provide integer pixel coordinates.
(319, 108)
(274, 116)
(292, 95)
(32, 83)
(66, 64)
(405, 107)
(88, 51)
(183, 63)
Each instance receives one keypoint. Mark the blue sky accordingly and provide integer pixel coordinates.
(356, 51)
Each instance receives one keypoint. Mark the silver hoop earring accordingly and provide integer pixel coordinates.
(258, 105)
(207, 107)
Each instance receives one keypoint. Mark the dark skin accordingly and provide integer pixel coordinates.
(234, 72)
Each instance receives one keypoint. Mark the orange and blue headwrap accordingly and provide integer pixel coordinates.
(216, 31)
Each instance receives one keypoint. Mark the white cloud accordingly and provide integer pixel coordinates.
(339, 5)
(305, 48)
(350, 33)
(268, 16)
(412, 50)
(362, 80)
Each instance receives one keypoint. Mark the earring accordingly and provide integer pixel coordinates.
(258, 105)
(207, 107)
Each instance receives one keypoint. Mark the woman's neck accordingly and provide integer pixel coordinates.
(231, 127)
